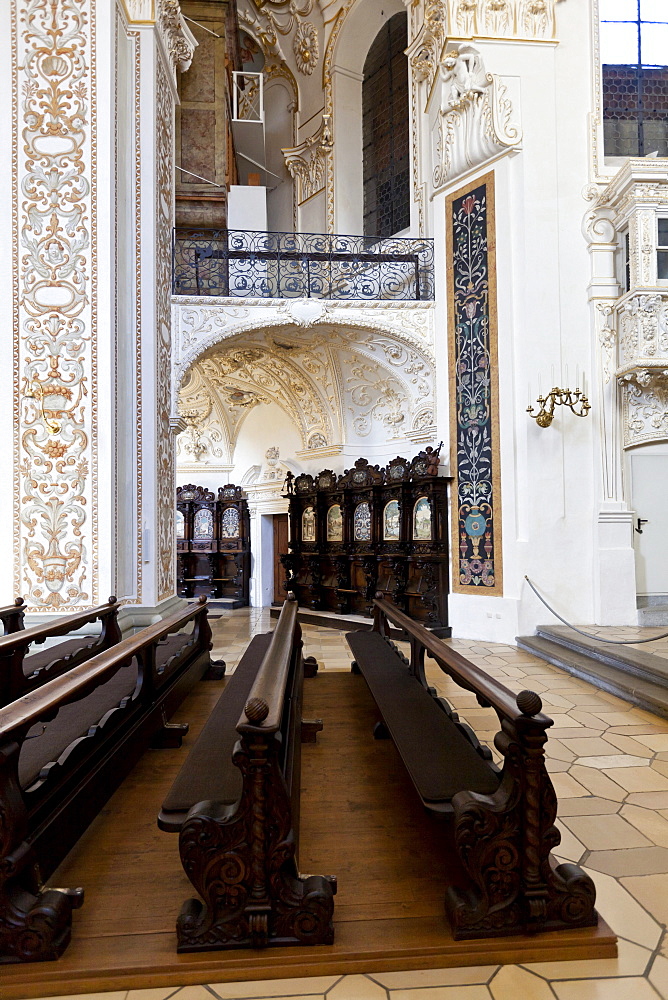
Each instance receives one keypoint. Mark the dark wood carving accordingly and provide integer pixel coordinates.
(242, 858)
(216, 562)
(40, 822)
(12, 616)
(503, 839)
(340, 572)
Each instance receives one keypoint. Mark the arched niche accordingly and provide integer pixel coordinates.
(359, 30)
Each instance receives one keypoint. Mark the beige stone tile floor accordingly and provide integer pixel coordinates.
(609, 766)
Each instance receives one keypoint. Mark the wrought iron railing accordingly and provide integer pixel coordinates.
(240, 264)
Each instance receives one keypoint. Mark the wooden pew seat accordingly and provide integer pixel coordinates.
(436, 753)
(209, 773)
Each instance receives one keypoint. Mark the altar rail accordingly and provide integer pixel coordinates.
(239, 264)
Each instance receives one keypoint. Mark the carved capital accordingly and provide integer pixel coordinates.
(307, 162)
(474, 122)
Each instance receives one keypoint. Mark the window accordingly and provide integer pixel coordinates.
(662, 249)
(626, 259)
(385, 140)
(634, 53)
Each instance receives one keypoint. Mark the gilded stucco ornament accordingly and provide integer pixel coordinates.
(179, 39)
(306, 47)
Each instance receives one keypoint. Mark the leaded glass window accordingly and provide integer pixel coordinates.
(634, 54)
(385, 138)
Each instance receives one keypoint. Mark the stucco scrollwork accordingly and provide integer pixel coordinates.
(645, 406)
(164, 111)
(643, 322)
(474, 122)
(179, 39)
(307, 162)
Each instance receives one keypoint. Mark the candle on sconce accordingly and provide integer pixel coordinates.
(577, 377)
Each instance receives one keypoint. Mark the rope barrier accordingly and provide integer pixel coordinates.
(588, 635)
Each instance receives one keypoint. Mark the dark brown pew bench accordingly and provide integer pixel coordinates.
(22, 671)
(501, 821)
(235, 804)
(64, 748)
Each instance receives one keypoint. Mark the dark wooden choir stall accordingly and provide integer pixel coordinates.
(371, 530)
(213, 544)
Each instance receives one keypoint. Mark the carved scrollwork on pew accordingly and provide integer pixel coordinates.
(35, 922)
(243, 866)
(504, 842)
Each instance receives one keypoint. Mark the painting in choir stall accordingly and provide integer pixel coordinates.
(180, 524)
(391, 521)
(230, 523)
(334, 524)
(308, 525)
(422, 519)
(203, 524)
(362, 522)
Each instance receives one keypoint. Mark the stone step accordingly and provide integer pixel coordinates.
(653, 614)
(646, 688)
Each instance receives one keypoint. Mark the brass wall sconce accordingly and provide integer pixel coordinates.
(36, 392)
(559, 397)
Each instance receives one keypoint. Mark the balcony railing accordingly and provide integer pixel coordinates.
(301, 265)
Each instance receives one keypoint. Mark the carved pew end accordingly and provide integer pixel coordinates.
(37, 928)
(310, 666)
(216, 671)
(310, 729)
(170, 737)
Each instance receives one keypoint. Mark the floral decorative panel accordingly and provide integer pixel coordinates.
(203, 525)
(362, 522)
(180, 524)
(391, 521)
(334, 524)
(422, 520)
(471, 257)
(229, 523)
(308, 525)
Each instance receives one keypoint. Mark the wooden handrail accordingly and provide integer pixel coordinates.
(264, 706)
(36, 704)
(463, 671)
(59, 626)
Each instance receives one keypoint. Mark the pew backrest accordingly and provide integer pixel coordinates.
(21, 671)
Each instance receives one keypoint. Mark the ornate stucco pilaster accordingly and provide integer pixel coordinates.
(54, 194)
(307, 162)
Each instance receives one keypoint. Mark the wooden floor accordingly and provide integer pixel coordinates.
(361, 821)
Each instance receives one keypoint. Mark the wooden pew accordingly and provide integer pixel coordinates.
(64, 748)
(238, 845)
(21, 671)
(12, 616)
(502, 821)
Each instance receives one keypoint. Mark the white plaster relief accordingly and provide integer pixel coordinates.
(306, 47)
(198, 326)
(474, 120)
(337, 382)
(54, 305)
